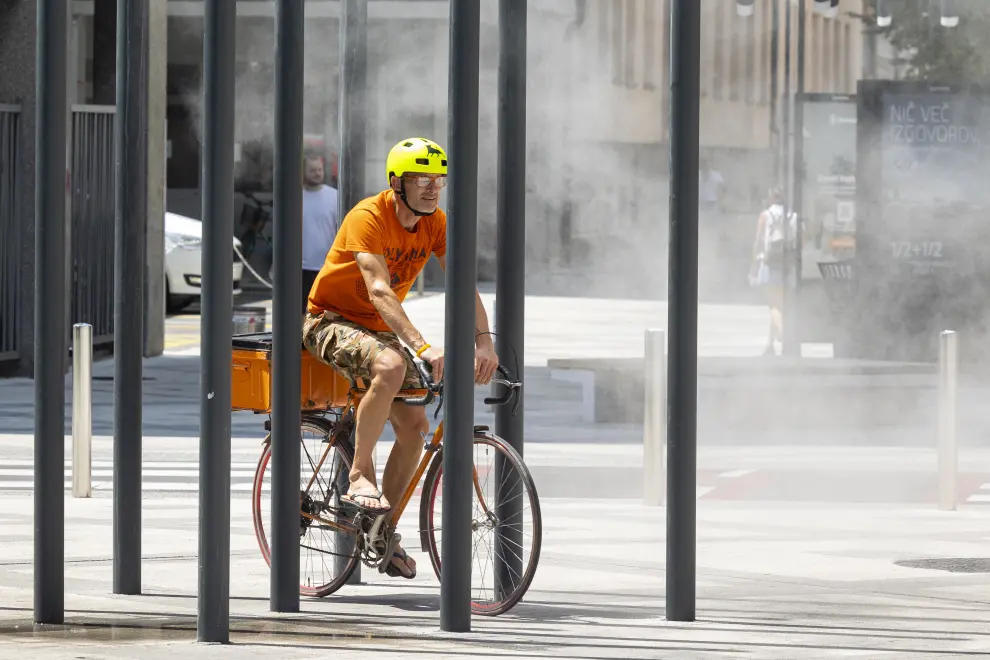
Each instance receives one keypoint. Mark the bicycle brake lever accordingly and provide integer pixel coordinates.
(436, 413)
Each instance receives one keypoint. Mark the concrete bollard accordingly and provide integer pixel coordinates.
(82, 410)
(654, 418)
(947, 450)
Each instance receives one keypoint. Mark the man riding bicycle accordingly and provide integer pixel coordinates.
(355, 321)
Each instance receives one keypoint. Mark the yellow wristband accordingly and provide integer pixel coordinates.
(419, 353)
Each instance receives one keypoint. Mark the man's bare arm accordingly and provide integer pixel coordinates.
(375, 272)
(482, 328)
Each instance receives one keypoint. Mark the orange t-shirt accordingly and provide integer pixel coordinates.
(372, 226)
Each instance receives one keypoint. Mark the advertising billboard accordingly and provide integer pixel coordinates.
(922, 259)
(828, 180)
(934, 172)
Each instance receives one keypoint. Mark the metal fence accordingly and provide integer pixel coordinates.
(92, 205)
(10, 245)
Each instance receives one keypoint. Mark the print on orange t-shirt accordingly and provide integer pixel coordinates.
(373, 227)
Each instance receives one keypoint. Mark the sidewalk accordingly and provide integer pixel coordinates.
(799, 536)
(783, 581)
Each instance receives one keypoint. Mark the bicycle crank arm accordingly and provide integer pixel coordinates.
(376, 529)
(393, 543)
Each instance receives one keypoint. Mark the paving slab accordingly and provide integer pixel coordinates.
(823, 546)
(783, 581)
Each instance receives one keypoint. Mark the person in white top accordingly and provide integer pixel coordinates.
(320, 223)
(712, 229)
(769, 252)
(711, 186)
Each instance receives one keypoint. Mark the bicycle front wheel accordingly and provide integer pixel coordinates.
(506, 524)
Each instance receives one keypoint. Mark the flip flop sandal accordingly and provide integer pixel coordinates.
(371, 495)
(394, 571)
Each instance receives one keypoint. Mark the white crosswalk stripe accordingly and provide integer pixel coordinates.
(156, 476)
(982, 496)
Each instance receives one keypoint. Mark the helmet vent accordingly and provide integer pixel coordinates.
(407, 144)
(422, 161)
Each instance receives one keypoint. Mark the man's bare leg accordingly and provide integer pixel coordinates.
(409, 423)
(387, 373)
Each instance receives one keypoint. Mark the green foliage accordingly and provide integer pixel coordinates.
(957, 55)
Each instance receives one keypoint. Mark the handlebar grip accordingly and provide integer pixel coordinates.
(509, 393)
(427, 377)
(426, 373)
(424, 400)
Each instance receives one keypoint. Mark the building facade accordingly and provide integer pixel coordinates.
(597, 114)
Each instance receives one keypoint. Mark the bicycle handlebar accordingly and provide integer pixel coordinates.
(432, 388)
(511, 392)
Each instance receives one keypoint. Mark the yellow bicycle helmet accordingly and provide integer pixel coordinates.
(415, 155)
(418, 155)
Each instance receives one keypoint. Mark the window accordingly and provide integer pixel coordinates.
(765, 13)
(751, 44)
(604, 40)
(822, 52)
(706, 69)
(631, 39)
(665, 51)
(652, 34)
(720, 48)
(831, 54)
(845, 74)
(616, 38)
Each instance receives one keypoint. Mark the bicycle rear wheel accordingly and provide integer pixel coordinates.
(327, 557)
(506, 523)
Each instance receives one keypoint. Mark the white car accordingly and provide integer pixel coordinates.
(183, 262)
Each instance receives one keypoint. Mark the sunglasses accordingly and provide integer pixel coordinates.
(423, 181)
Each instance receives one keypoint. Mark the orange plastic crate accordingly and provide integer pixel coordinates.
(251, 377)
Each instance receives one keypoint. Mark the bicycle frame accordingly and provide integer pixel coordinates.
(430, 452)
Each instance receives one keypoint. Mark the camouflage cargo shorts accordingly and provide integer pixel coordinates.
(351, 349)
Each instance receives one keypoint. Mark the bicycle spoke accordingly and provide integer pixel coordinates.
(504, 521)
(514, 553)
(512, 499)
(482, 571)
(322, 525)
(504, 550)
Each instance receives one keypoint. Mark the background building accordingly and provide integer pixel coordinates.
(597, 125)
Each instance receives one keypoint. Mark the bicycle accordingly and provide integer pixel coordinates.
(329, 405)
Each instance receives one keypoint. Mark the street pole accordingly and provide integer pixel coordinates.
(51, 323)
(351, 172)
(774, 59)
(792, 324)
(787, 341)
(287, 322)
(131, 180)
(870, 43)
(682, 314)
(461, 276)
(353, 103)
(213, 622)
(510, 279)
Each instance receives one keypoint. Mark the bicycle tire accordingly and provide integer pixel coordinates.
(428, 540)
(319, 427)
